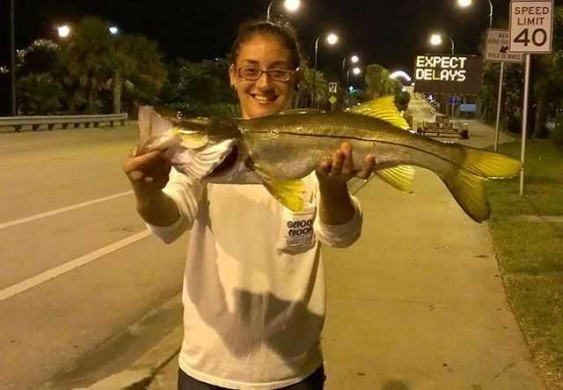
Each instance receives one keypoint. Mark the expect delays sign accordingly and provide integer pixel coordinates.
(448, 74)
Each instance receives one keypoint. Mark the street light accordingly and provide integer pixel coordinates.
(467, 3)
(63, 31)
(289, 5)
(355, 71)
(353, 59)
(114, 30)
(436, 40)
(331, 39)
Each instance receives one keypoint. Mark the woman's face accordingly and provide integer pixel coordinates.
(271, 92)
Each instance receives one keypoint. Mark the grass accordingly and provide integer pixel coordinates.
(530, 253)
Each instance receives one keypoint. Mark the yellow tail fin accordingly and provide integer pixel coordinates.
(469, 192)
(490, 164)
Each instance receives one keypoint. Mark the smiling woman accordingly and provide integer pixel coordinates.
(264, 59)
(254, 296)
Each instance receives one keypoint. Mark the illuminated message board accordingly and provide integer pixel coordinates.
(447, 74)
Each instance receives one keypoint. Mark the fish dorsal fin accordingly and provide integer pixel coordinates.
(400, 177)
(298, 111)
(382, 108)
(288, 192)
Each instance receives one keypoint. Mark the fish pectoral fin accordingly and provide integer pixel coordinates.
(382, 108)
(288, 192)
(469, 191)
(400, 177)
(191, 139)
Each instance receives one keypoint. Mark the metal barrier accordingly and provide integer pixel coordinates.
(64, 121)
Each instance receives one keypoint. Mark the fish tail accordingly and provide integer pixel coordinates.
(490, 165)
(467, 182)
(469, 192)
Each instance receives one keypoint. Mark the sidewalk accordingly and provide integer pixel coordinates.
(418, 302)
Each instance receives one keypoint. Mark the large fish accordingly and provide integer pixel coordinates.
(283, 148)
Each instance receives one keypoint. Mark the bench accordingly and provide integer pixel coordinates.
(443, 127)
(64, 121)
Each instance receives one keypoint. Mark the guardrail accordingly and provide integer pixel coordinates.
(64, 121)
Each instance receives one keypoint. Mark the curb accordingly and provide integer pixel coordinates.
(141, 373)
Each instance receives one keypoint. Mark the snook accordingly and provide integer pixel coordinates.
(284, 148)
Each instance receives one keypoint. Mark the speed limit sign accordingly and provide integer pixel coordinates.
(531, 26)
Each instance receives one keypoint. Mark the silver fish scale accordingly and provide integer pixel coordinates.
(300, 142)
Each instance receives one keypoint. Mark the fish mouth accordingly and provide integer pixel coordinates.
(228, 162)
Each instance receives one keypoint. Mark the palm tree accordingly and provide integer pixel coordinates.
(87, 58)
(136, 63)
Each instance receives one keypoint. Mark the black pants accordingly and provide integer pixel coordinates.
(312, 382)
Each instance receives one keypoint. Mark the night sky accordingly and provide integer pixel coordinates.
(387, 32)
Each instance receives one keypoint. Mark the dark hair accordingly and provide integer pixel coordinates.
(261, 27)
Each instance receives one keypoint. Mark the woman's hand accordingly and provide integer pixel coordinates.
(340, 168)
(148, 172)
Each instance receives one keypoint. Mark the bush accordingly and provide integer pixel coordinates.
(557, 134)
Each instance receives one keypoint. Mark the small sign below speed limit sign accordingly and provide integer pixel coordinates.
(531, 26)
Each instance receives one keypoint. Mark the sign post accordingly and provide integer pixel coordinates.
(531, 31)
(332, 89)
(497, 50)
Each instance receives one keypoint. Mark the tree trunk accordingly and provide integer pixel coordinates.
(540, 129)
(117, 88)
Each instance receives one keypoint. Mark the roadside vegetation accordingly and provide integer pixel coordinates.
(527, 232)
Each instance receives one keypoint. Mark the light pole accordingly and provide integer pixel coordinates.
(436, 39)
(12, 59)
(331, 39)
(289, 5)
(467, 3)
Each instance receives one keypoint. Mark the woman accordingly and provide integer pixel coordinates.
(254, 294)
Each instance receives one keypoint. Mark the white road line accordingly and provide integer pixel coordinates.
(61, 210)
(69, 266)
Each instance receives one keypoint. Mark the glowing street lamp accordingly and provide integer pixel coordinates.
(355, 71)
(436, 40)
(289, 5)
(354, 59)
(114, 30)
(467, 3)
(331, 39)
(63, 31)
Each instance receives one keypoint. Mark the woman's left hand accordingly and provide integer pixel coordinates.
(340, 168)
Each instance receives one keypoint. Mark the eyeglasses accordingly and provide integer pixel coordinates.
(251, 73)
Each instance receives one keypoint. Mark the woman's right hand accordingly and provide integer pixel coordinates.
(147, 172)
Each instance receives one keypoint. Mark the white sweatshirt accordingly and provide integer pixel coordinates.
(254, 287)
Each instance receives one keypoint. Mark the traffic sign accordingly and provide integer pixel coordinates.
(332, 87)
(497, 47)
(332, 99)
(531, 26)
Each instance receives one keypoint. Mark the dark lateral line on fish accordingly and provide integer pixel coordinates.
(357, 139)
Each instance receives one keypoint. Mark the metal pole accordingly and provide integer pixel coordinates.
(268, 11)
(490, 14)
(12, 58)
(524, 121)
(453, 45)
(315, 71)
(347, 79)
(499, 101)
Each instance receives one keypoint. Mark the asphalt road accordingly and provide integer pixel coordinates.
(77, 266)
